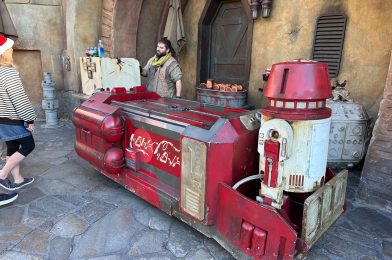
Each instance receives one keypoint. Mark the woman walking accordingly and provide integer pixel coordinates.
(16, 119)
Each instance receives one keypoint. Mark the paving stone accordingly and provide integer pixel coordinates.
(161, 222)
(58, 161)
(37, 242)
(69, 170)
(200, 254)
(76, 200)
(3, 247)
(60, 248)
(42, 224)
(47, 225)
(51, 154)
(109, 235)
(114, 195)
(55, 187)
(11, 255)
(34, 168)
(338, 247)
(320, 254)
(351, 193)
(216, 250)
(387, 248)
(161, 257)
(28, 195)
(108, 257)
(371, 222)
(149, 242)
(49, 206)
(82, 182)
(11, 216)
(94, 210)
(182, 239)
(144, 216)
(358, 238)
(13, 234)
(69, 226)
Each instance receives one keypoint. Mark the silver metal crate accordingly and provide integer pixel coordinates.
(349, 134)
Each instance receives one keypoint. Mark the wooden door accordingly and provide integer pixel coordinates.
(230, 45)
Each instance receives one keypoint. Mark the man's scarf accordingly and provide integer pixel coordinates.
(158, 62)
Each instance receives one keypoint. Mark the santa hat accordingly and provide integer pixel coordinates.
(5, 44)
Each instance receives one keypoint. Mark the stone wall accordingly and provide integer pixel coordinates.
(50, 31)
(82, 27)
(40, 27)
(376, 179)
(288, 34)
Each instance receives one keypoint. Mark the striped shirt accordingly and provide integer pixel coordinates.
(14, 103)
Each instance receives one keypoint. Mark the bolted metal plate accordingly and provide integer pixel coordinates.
(193, 178)
(323, 207)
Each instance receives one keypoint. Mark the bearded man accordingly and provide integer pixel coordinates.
(163, 71)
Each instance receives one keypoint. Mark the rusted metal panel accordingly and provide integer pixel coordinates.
(323, 207)
(222, 98)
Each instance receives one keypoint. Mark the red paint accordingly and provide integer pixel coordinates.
(298, 82)
(105, 136)
(159, 151)
(270, 226)
(271, 150)
(119, 90)
(258, 242)
(246, 236)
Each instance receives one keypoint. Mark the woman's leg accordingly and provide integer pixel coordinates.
(13, 161)
(12, 147)
(16, 155)
(16, 173)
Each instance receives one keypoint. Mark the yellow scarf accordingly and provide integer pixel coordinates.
(158, 62)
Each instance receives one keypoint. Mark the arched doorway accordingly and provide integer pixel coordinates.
(225, 42)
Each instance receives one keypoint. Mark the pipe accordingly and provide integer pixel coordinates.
(249, 178)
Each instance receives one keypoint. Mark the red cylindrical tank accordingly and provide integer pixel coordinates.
(298, 90)
(113, 161)
(112, 128)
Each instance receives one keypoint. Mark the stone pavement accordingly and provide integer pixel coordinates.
(72, 212)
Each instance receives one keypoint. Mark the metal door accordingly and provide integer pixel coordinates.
(230, 45)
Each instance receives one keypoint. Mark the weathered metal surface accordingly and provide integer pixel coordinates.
(297, 90)
(294, 131)
(349, 134)
(241, 220)
(323, 207)
(194, 157)
(182, 157)
(222, 98)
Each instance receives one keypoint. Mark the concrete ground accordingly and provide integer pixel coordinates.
(72, 212)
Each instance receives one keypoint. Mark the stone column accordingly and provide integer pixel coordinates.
(376, 180)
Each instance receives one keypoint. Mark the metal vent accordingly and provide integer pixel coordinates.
(328, 41)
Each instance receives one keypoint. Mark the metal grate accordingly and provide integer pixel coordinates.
(328, 41)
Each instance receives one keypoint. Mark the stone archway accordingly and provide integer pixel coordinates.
(130, 28)
(119, 26)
